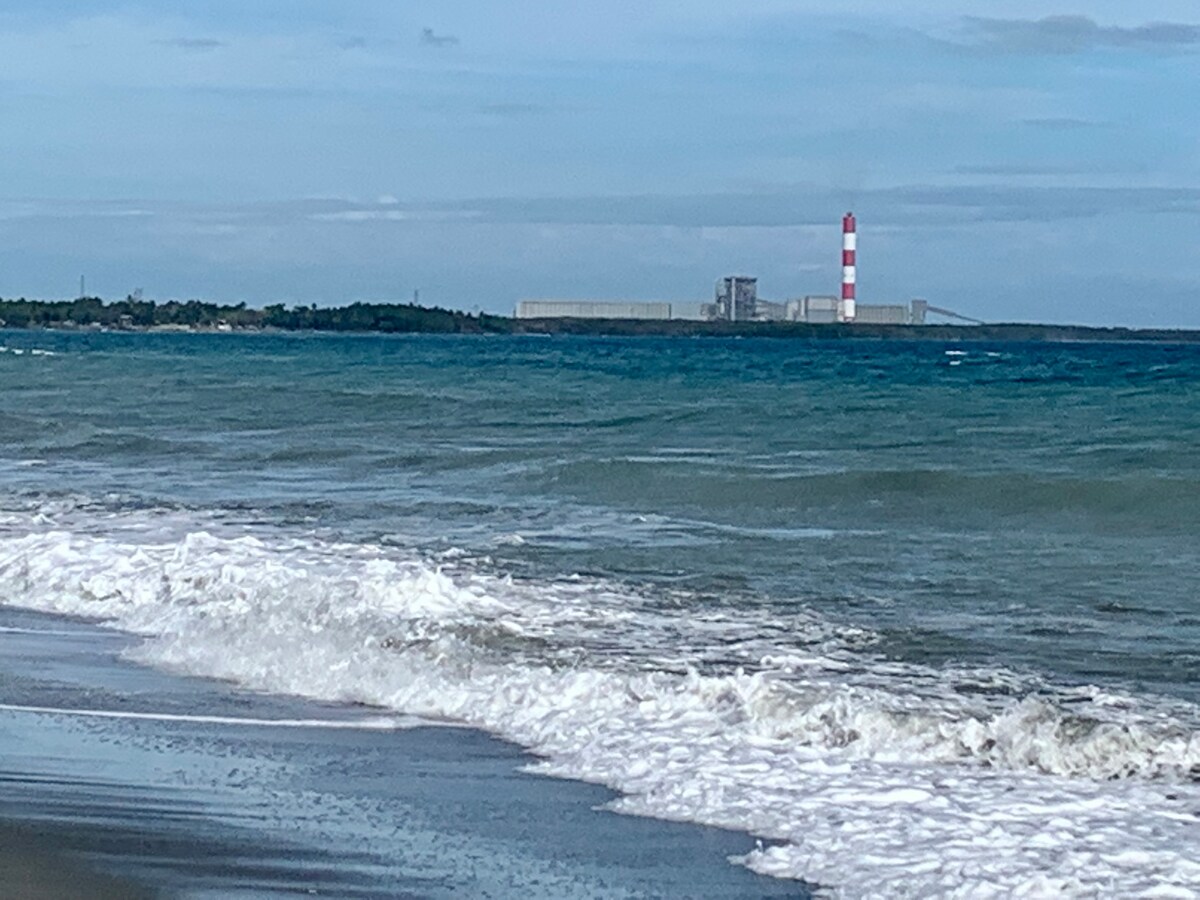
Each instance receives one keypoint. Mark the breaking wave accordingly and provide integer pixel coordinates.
(861, 774)
(23, 351)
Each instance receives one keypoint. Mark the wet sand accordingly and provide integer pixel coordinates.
(184, 787)
(31, 869)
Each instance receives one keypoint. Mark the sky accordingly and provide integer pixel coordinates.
(1014, 161)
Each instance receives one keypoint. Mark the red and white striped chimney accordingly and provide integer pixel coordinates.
(849, 268)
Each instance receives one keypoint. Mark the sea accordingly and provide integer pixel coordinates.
(924, 614)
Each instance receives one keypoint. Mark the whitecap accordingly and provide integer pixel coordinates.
(865, 775)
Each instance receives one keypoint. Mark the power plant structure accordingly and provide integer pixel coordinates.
(849, 266)
(595, 309)
(736, 299)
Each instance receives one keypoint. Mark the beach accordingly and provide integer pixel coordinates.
(119, 781)
(33, 866)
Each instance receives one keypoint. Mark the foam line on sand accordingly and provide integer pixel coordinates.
(374, 723)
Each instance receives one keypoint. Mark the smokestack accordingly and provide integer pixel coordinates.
(849, 266)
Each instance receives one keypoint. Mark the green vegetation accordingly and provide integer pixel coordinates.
(135, 314)
(131, 314)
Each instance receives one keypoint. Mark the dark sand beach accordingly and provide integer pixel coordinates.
(181, 787)
(31, 868)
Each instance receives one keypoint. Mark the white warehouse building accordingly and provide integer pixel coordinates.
(592, 309)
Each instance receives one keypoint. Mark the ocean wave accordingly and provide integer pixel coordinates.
(868, 776)
(27, 351)
(1145, 499)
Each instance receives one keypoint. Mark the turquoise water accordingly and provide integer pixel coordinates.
(1032, 504)
(923, 522)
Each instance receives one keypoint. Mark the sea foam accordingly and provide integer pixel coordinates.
(868, 777)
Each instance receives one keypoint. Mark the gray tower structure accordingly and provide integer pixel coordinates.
(737, 298)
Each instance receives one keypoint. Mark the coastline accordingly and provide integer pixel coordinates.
(1008, 333)
(92, 315)
(182, 785)
(1014, 333)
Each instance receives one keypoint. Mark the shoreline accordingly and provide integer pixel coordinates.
(947, 334)
(445, 322)
(146, 805)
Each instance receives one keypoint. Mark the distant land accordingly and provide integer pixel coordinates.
(92, 313)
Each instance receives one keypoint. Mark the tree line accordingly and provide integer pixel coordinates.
(136, 313)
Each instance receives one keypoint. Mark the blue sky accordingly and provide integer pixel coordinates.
(1014, 161)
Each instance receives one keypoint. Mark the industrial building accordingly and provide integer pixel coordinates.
(592, 309)
(890, 314)
(735, 299)
(820, 310)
